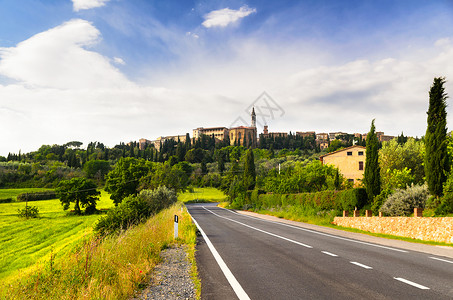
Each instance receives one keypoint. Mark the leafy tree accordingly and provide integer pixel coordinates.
(124, 179)
(174, 177)
(96, 168)
(395, 157)
(436, 159)
(372, 177)
(249, 171)
(334, 146)
(81, 191)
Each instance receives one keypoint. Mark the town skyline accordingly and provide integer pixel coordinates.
(117, 71)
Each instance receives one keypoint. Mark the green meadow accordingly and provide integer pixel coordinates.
(27, 245)
(202, 195)
(24, 243)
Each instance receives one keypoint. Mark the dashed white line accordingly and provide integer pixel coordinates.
(260, 230)
(321, 233)
(361, 265)
(242, 295)
(440, 259)
(328, 253)
(422, 287)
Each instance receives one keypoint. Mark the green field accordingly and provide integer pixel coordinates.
(25, 242)
(12, 193)
(203, 195)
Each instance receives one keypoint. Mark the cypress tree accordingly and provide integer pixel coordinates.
(249, 171)
(436, 157)
(372, 177)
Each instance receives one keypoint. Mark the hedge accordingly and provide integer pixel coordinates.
(324, 200)
(36, 196)
(6, 200)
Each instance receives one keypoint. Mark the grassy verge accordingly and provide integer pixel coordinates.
(111, 268)
(202, 195)
(305, 215)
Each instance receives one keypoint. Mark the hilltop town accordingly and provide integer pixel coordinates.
(248, 136)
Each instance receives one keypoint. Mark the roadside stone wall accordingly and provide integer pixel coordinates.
(427, 229)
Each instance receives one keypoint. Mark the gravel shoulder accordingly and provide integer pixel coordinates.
(170, 279)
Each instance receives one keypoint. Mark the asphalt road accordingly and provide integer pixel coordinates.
(242, 257)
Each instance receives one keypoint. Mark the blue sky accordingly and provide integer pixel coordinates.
(115, 70)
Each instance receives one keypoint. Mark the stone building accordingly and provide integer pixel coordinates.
(267, 134)
(220, 133)
(350, 161)
(244, 133)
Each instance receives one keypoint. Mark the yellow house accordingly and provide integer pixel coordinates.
(350, 161)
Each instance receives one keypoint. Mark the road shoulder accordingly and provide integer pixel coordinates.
(430, 249)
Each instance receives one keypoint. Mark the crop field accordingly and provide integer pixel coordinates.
(203, 195)
(25, 242)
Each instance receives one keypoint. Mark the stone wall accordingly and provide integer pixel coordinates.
(427, 229)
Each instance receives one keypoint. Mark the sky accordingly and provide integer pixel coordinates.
(116, 71)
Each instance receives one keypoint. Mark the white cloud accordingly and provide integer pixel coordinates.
(226, 16)
(57, 58)
(119, 61)
(87, 4)
(192, 34)
(66, 91)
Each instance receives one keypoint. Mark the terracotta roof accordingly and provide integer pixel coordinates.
(355, 146)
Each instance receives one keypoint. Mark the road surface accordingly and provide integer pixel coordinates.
(242, 257)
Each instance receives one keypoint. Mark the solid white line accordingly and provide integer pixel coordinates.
(444, 260)
(321, 233)
(242, 295)
(361, 265)
(328, 253)
(260, 230)
(422, 287)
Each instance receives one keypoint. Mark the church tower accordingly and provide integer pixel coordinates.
(253, 117)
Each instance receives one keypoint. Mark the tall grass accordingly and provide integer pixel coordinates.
(111, 268)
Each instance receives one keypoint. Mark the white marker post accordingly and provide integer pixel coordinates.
(176, 226)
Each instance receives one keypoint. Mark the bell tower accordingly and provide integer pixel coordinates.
(253, 117)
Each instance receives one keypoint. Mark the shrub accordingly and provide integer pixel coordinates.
(28, 212)
(402, 202)
(36, 196)
(135, 209)
(380, 199)
(6, 200)
(446, 205)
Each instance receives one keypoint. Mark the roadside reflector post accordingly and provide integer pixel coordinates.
(176, 226)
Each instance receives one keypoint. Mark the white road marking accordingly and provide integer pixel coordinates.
(361, 265)
(321, 233)
(328, 253)
(260, 230)
(444, 260)
(242, 295)
(412, 283)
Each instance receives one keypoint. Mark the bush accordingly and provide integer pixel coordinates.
(28, 212)
(24, 197)
(446, 206)
(135, 209)
(380, 199)
(6, 200)
(402, 202)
